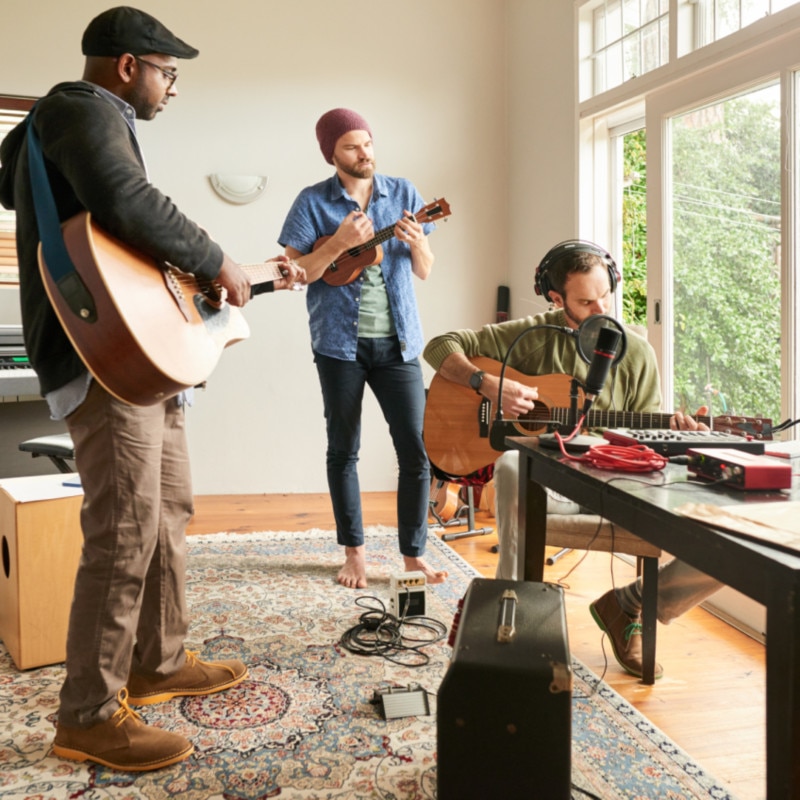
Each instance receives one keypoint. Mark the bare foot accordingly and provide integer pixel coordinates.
(420, 565)
(353, 574)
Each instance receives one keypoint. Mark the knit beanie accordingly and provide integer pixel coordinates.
(334, 124)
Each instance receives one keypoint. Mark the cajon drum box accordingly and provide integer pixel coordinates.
(40, 539)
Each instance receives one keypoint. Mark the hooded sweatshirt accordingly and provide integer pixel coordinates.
(93, 163)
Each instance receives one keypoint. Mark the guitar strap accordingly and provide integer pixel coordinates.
(56, 257)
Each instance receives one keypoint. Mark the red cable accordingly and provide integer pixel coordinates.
(636, 458)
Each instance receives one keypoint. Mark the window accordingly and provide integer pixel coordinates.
(715, 19)
(725, 192)
(629, 38)
(722, 220)
(12, 111)
(620, 40)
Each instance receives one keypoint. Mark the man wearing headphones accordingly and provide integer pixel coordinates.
(579, 279)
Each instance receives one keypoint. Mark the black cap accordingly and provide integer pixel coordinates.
(127, 30)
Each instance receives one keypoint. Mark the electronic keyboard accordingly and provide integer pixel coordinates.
(676, 443)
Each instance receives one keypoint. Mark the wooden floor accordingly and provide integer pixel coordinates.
(711, 698)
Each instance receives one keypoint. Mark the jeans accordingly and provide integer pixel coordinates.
(129, 605)
(400, 391)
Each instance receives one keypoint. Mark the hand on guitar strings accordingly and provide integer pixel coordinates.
(683, 422)
(294, 276)
(233, 281)
(408, 230)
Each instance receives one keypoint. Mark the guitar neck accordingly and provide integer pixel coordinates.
(265, 272)
(384, 234)
(629, 419)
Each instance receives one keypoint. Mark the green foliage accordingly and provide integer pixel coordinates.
(634, 227)
(726, 239)
(726, 244)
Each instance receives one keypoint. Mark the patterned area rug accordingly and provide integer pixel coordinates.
(302, 725)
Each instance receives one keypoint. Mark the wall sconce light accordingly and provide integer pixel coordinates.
(238, 188)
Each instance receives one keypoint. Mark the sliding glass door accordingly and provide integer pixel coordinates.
(725, 200)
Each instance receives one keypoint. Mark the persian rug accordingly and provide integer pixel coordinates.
(303, 724)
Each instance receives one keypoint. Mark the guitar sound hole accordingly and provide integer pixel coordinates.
(536, 420)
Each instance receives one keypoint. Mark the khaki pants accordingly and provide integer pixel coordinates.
(129, 605)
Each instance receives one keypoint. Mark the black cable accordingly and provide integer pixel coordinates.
(398, 640)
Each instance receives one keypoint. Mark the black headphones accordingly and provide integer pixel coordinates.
(542, 284)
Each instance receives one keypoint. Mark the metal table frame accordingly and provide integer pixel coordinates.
(638, 503)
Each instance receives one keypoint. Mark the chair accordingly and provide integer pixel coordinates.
(580, 532)
(57, 447)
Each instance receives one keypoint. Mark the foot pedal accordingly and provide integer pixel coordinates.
(407, 597)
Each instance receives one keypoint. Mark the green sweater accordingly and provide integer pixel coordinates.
(633, 384)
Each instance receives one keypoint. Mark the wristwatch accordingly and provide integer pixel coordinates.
(476, 380)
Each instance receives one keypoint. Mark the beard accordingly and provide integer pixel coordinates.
(140, 100)
(363, 169)
(571, 317)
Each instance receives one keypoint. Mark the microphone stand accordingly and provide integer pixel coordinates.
(575, 384)
(500, 428)
(580, 443)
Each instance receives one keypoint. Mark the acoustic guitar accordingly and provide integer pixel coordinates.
(458, 421)
(350, 264)
(158, 330)
(444, 500)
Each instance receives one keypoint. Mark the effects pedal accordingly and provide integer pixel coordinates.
(739, 469)
(410, 701)
(408, 594)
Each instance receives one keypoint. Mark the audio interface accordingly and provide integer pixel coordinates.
(739, 469)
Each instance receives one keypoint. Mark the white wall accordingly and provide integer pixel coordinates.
(472, 99)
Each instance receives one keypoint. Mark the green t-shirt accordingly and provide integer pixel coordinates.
(374, 314)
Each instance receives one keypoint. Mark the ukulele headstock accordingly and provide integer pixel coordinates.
(433, 211)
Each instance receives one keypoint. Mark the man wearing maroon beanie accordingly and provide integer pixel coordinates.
(365, 328)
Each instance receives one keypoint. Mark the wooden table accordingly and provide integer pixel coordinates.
(639, 503)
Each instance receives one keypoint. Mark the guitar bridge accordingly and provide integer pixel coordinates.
(174, 286)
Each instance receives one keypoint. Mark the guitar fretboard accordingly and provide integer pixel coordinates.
(263, 272)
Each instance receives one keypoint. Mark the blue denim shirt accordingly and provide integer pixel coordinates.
(333, 310)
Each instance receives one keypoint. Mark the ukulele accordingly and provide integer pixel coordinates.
(351, 263)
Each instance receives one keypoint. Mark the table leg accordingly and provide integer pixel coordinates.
(532, 519)
(649, 618)
(783, 695)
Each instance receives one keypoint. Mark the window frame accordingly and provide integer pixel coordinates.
(756, 54)
(9, 271)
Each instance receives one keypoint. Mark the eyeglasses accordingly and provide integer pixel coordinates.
(168, 74)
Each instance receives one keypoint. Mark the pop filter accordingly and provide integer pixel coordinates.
(589, 331)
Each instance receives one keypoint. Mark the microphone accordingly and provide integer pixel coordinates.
(605, 352)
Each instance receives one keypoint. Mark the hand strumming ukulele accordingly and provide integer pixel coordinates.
(350, 264)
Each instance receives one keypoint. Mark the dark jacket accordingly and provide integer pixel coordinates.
(93, 164)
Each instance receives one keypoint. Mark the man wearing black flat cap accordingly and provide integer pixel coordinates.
(128, 620)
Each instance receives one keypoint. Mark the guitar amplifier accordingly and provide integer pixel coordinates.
(504, 717)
